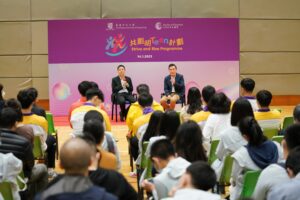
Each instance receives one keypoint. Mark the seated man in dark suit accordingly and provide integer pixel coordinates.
(122, 88)
(174, 88)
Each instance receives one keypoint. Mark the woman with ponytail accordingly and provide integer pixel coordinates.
(256, 155)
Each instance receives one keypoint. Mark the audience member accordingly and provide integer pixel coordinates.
(2, 94)
(122, 90)
(75, 184)
(108, 178)
(109, 143)
(35, 108)
(201, 117)
(40, 128)
(174, 88)
(195, 183)
(94, 128)
(276, 174)
(188, 142)
(289, 190)
(169, 125)
(231, 138)
(193, 104)
(246, 91)
(94, 98)
(266, 118)
(219, 120)
(24, 130)
(135, 110)
(11, 142)
(256, 155)
(171, 169)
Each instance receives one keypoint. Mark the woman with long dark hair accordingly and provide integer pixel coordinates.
(256, 155)
(188, 142)
(193, 104)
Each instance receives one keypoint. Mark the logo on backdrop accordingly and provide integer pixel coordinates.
(115, 45)
(110, 26)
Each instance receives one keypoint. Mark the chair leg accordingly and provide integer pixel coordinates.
(116, 114)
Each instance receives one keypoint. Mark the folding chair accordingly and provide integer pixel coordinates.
(277, 138)
(52, 131)
(212, 152)
(270, 132)
(287, 121)
(250, 180)
(143, 165)
(5, 190)
(114, 103)
(225, 175)
(37, 149)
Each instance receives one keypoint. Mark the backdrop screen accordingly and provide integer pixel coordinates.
(206, 51)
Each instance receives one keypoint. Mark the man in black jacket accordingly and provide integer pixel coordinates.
(11, 142)
(122, 89)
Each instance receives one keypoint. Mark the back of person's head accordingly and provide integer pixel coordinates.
(33, 91)
(162, 149)
(92, 92)
(293, 162)
(296, 113)
(169, 124)
(1, 93)
(15, 104)
(264, 98)
(94, 128)
(194, 100)
(75, 156)
(91, 141)
(202, 175)
(248, 84)
(292, 136)
(207, 92)
(83, 87)
(93, 114)
(145, 100)
(142, 88)
(219, 103)
(249, 127)
(153, 125)
(25, 98)
(188, 142)
(8, 118)
(94, 85)
(240, 109)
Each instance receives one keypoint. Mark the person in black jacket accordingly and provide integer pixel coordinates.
(122, 90)
(11, 142)
(174, 88)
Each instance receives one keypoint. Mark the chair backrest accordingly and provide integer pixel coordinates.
(250, 180)
(6, 191)
(269, 133)
(21, 181)
(226, 171)
(212, 152)
(277, 138)
(287, 121)
(51, 128)
(143, 156)
(37, 148)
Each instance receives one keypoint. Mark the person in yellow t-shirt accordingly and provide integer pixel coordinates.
(135, 110)
(265, 117)
(201, 117)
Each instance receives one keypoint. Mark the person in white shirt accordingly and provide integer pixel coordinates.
(289, 190)
(171, 169)
(231, 139)
(246, 91)
(219, 120)
(256, 155)
(195, 183)
(276, 173)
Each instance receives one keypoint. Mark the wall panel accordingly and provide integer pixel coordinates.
(39, 65)
(15, 66)
(13, 10)
(204, 8)
(136, 8)
(65, 9)
(13, 85)
(39, 37)
(41, 84)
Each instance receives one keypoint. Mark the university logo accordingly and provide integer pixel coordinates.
(116, 45)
